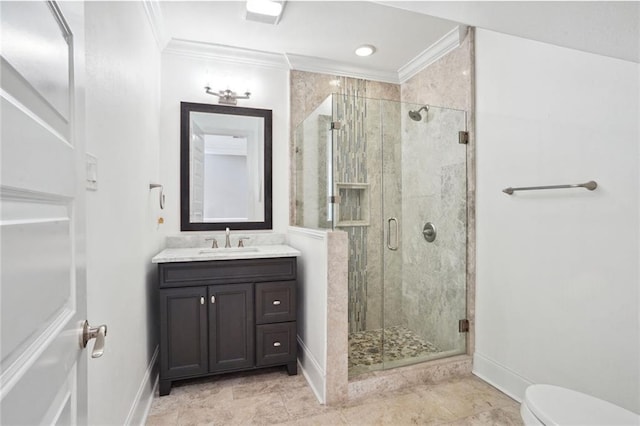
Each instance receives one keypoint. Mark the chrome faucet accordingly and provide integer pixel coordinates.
(227, 242)
(214, 242)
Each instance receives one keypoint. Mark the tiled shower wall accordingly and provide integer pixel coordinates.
(434, 190)
(361, 151)
(436, 276)
(351, 169)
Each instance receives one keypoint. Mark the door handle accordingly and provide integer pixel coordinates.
(389, 246)
(429, 232)
(99, 333)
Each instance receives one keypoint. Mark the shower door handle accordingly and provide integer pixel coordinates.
(389, 246)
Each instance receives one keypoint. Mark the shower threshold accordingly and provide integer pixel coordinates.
(368, 351)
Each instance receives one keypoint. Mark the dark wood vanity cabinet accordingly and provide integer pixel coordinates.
(226, 315)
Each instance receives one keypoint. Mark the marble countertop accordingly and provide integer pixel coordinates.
(196, 254)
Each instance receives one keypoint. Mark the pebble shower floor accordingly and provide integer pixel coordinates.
(369, 349)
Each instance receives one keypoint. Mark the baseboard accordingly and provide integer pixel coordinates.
(142, 403)
(500, 377)
(312, 371)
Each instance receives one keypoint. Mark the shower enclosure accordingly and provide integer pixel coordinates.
(392, 175)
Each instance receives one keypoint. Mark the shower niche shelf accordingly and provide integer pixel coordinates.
(353, 206)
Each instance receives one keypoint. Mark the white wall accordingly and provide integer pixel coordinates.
(122, 111)
(557, 271)
(312, 305)
(184, 76)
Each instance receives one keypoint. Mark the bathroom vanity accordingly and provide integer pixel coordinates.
(224, 310)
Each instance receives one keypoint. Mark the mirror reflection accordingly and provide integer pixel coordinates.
(226, 167)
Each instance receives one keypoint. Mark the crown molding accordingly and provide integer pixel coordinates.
(235, 55)
(437, 50)
(324, 66)
(156, 21)
(227, 54)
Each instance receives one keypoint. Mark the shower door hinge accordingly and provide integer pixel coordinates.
(334, 199)
(463, 137)
(335, 125)
(463, 326)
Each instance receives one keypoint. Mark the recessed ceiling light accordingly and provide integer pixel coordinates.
(365, 50)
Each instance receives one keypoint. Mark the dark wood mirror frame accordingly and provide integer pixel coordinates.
(185, 139)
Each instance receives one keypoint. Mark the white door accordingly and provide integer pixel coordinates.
(43, 284)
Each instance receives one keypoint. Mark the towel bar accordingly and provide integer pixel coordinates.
(591, 185)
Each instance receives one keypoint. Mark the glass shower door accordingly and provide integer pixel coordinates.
(424, 193)
(399, 182)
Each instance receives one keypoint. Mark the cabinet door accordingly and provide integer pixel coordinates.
(231, 327)
(183, 332)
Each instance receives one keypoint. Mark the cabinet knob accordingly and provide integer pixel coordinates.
(202, 300)
(213, 299)
(276, 344)
(276, 302)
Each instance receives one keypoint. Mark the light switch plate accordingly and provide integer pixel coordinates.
(92, 172)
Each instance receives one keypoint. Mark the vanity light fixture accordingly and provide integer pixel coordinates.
(266, 11)
(365, 50)
(227, 97)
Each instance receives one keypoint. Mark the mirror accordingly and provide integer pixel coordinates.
(225, 167)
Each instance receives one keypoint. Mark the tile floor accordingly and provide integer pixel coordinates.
(271, 397)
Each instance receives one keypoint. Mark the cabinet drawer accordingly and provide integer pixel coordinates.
(183, 274)
(275, 343)
(275, 302)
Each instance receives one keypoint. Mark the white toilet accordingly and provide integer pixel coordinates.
(552, 405)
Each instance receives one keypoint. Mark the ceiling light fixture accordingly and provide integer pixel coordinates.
(266, 11)
(365, 50)
(264, 7)
(227, 97)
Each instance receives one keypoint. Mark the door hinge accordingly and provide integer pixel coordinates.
(334, 199)
(463, 137)
(463, 326)
(336, 125)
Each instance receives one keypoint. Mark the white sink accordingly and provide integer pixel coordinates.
(230, 250)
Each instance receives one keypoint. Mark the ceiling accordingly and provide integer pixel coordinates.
(326, 33)
(609, 28)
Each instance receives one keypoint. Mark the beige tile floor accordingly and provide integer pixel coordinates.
(271, 397)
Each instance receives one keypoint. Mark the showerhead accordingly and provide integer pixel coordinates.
(415, 115)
